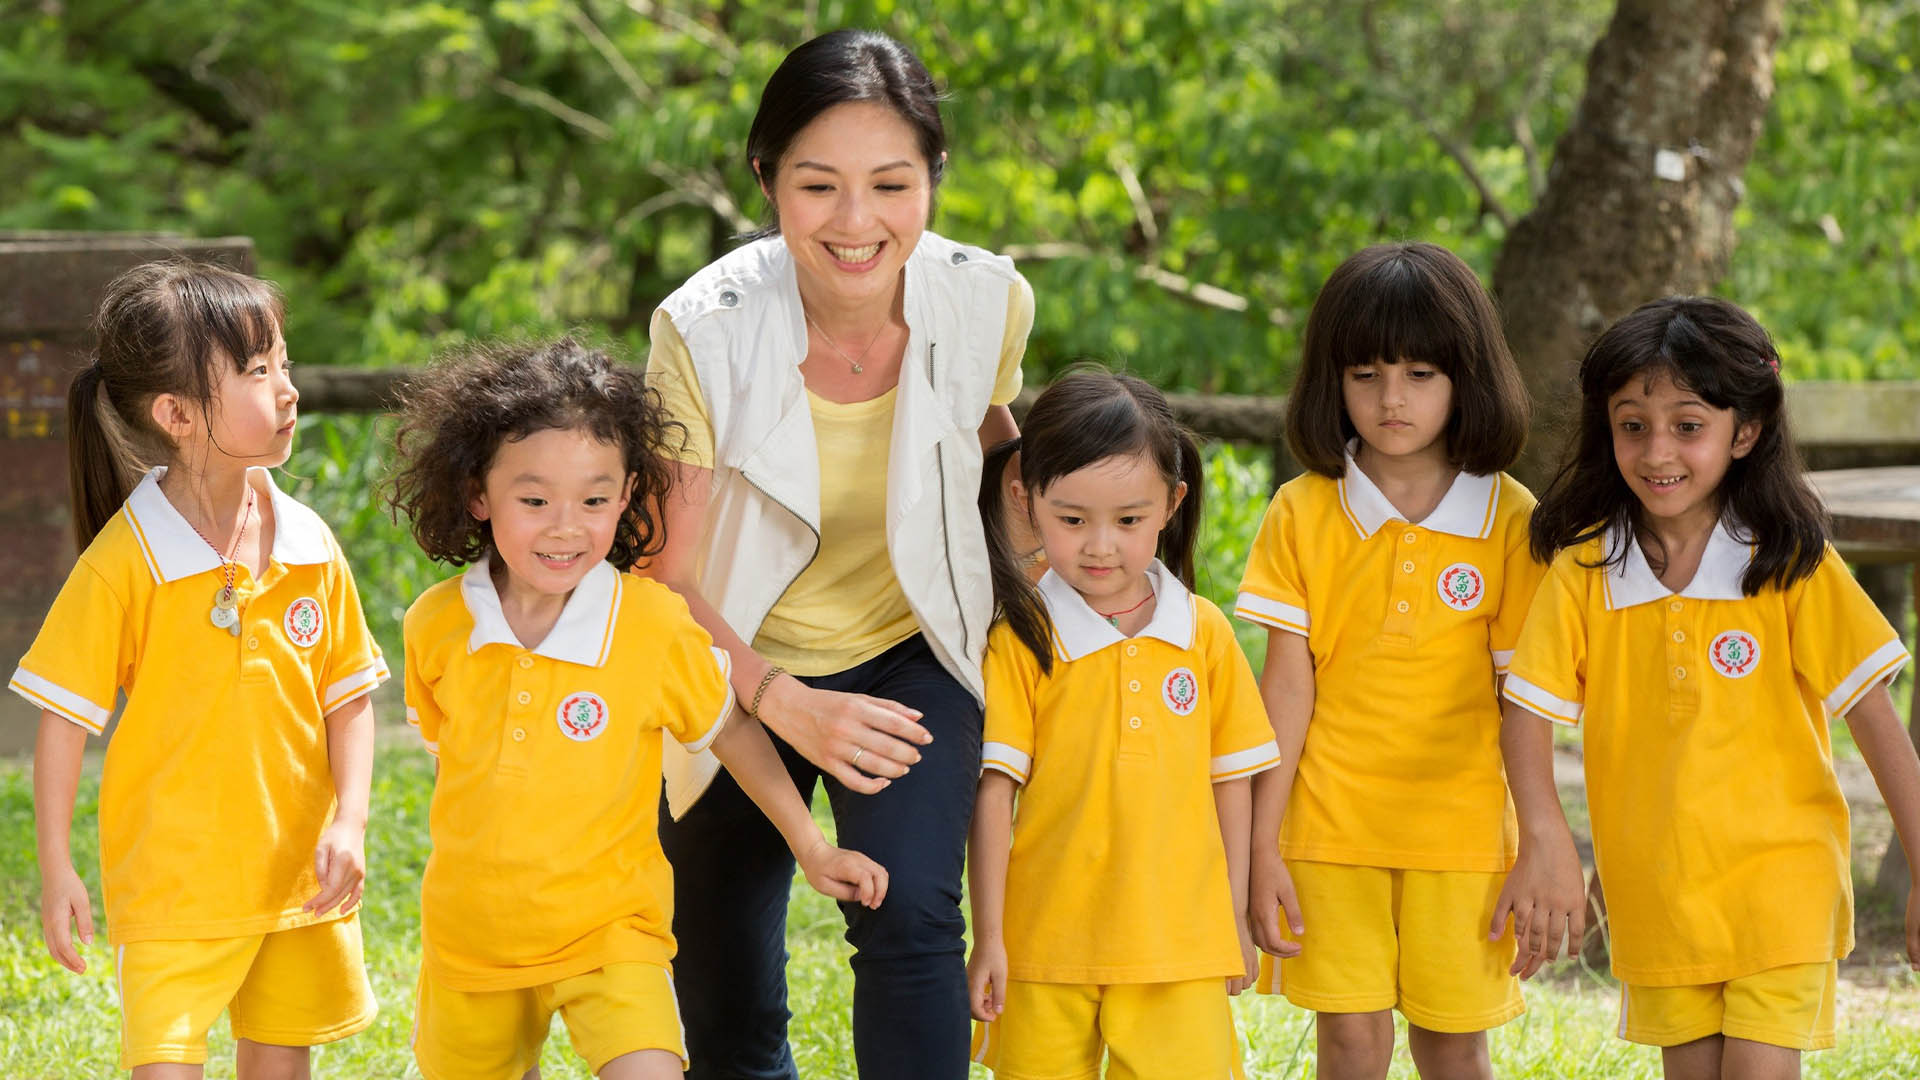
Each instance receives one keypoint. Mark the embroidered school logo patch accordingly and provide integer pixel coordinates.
(304, 622)
(1735, 653)
(1462, 586)
(583, 716)
(1180, 690)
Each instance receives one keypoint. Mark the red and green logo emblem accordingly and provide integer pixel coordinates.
(583, 716)
(1734, 653)
(304, 622)
(1462, 586)
(1181, 691)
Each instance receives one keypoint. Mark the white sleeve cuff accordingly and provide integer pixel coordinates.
(1271, 613)
(1540, 703)
(358, 684)
(1244, 763)
(1885, 661)
(725, 664)
(60, 701)
(1003, 758)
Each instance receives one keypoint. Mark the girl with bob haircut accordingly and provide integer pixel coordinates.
(1393, 578)
(838, 378)
(1123, 715)
(545, 679)
(233, 804)
(1701, 632)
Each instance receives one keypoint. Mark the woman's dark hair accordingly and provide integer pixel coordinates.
(836, 68)
(1394, 303)
(162, 328)
(1714, 349)
(465, 406)
(1085, 417)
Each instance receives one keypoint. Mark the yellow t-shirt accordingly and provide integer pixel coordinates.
(1719, 829)
(545, 861)
(1117, 872)
(846, 607)
(1409, 626)
(216, 785)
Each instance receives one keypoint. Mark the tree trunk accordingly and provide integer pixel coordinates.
(1641, 195)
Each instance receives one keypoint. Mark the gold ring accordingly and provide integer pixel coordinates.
(854, 761)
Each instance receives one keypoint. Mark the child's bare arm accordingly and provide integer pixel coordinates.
(340, 859)
(1287, 690)
(744, 748)
(989, 845)
(1545, 893)
(56, 781)
(1888, 751)
(1233, 805)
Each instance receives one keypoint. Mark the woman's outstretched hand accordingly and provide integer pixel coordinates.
(863, 742)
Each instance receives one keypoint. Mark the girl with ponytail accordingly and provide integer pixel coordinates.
(1122, 711)
(233, 803)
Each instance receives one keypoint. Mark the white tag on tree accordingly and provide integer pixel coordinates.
(1670, 165)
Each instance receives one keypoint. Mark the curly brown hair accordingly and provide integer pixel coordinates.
(462, 408)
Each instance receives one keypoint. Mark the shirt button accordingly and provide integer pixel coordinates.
(1675, 606)
(523, 697)
(1679, 635)
(519, 734)
(253, 643)
(1133, 722)
(1411, 538)
(526, 662)
(1133, 650)
(1407, 566)
(1401, 607)
(1679, 673)
(1134, 686)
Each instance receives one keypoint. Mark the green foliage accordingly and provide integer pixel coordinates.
(420, 173)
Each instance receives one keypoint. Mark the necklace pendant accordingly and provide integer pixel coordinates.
(858, 370)
(226, 610)
(1112, 620)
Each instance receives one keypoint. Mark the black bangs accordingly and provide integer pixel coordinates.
(235, 315)
(1393, 314)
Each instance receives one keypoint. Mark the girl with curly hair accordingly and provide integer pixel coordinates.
(544, 679)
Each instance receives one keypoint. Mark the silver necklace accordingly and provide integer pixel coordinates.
(854, 361)
(226, 606)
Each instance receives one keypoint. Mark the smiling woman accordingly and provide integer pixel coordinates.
(837, 378)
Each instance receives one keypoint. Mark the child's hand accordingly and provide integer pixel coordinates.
(64, 904)
(1270, 894)
(340, 862)
(1249, 964)
(845, 875)
(987, 980)
(1546, 895)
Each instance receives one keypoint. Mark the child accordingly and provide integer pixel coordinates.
(545, 678)
(1120, 708)
(233, 803)
(1392, 578)
(1698, 628)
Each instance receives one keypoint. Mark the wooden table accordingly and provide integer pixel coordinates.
(1876, 520)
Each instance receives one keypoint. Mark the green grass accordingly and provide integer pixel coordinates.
(57, 1025)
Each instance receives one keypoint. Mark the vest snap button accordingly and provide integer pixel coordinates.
(729, 299)
(959, 257)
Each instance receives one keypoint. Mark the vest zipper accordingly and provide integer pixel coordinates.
(946, 526)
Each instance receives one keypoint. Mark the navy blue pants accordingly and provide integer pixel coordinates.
(732, 872)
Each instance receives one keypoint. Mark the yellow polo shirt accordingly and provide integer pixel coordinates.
(1118, 873)
(1409, 626)
(545, 861)
(216, 785)
(1719, 829)
(846, 607)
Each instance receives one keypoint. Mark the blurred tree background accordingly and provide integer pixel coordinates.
(1176, 177)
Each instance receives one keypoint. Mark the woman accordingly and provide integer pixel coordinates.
(838, 379)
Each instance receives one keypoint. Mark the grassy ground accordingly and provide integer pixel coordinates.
(57, 1025)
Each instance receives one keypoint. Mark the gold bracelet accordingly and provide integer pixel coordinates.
(773, 672)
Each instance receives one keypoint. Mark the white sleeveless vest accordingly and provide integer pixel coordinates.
(742, 321)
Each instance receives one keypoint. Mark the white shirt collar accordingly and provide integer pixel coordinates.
(1467, 509)
(1722, 565)
(582, 635)
(1079, 631)
(174, 550)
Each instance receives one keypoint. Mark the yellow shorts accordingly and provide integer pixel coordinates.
(1784, 1006)
(614, 1010)
(1415, 940)
(294, 987)
(1058, 1031)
